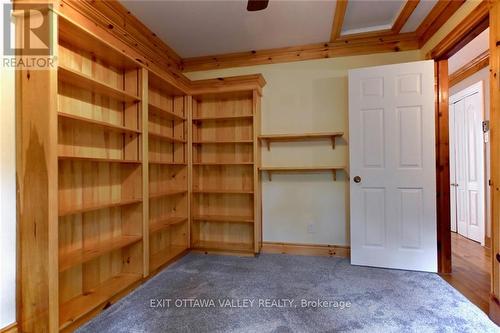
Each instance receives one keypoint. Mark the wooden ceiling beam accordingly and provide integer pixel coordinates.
(338, 19)
(404, 15)
(438, 16)
(341, 48)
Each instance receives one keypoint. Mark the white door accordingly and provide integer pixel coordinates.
(467, 162)
(392, 166)
(453, 173)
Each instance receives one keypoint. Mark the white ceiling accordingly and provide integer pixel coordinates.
(470, 51)
(207, 27)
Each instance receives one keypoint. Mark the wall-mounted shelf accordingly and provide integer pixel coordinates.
(332, 169)
(299, 137)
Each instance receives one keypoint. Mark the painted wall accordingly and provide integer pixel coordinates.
(7, 200)
(301, 97)
(482, 75)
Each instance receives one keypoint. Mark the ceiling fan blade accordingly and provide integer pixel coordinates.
(255, 5)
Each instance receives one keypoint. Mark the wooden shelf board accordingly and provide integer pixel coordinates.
(268, 138)
(167, 163)
(221, 141)
(223, 218)
(163, 256)
(84, 81)
(222, 163)
(221, 191)
(333, 169)
(102, 124)
(163, 112)
(215, 118)
(99, 159)
(80, 256)
(166, 193)
(162, 223)
(79, 306)
(79, 210)
(223, 246)
(166, 137)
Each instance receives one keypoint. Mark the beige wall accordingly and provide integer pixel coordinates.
(308, 96)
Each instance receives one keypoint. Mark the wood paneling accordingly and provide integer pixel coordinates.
(338, 19)
(470, 68)
(495, 155)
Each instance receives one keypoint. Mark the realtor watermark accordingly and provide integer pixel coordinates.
(245, 303)
(28, 38)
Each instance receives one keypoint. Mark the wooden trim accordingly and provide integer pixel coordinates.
(12, 328)
(338, 19)
(229, 84)
(494, 14)
(438, 16)
(487, 242)
(463, 33)
(404, 15)
(470, 68)
(443, 169)
(307, 249)
(340, 48)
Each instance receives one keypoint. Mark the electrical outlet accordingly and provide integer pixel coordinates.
(311, 228)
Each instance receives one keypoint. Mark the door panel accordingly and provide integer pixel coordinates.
(391, 137)
(467, 162)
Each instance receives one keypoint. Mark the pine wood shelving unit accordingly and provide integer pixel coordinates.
(168, 226)
(99, 173)
(225, 204)
(106, 172)
(269, 138)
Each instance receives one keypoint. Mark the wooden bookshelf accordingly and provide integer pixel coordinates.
(100, 166)
(225, 199)
(269, 138)
(332, 169)
(167, 178)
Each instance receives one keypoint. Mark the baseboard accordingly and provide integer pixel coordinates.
(487, 242)
(12, 328)
(494, 310)
(307, 249)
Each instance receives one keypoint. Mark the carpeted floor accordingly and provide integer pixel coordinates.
(358, 299)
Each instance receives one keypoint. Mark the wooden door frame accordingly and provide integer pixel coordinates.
(476, 22)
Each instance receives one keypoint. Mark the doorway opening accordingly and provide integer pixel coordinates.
(466, 67)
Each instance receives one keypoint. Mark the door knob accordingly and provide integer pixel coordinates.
(357, 179)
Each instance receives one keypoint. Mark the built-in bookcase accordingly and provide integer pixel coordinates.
(168, 173)
(100, 173)
(225, 207)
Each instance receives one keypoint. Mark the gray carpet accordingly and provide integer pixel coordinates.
(381, 300)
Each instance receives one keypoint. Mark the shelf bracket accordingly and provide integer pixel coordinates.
(269, 176)
(268, 144)
(334, 173)
(333, 142)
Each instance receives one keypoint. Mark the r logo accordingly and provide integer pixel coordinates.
(32, 30)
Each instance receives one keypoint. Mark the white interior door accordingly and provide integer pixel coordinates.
(392, 166)
(467, 163)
